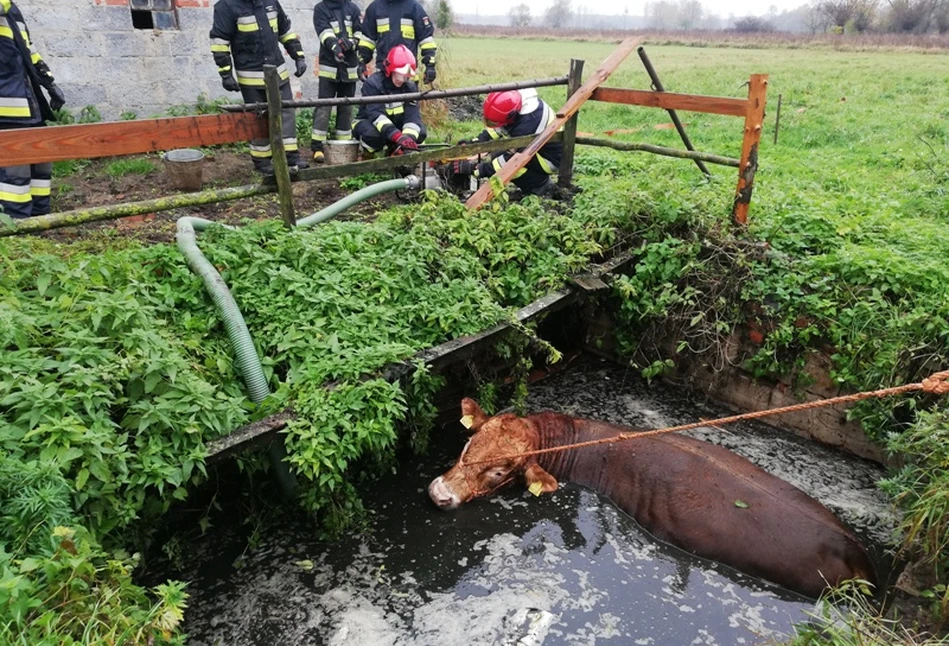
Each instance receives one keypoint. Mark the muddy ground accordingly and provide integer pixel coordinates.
(108, 181)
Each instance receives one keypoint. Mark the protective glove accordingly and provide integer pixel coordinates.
(407, 143)
(338, 52)
(56, 97)
(361, 71)
(230, 83)
(301, 67)
(429, 75)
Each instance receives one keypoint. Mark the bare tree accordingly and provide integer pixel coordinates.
(558, 14)
(520, 15)
(941, 16)
(857, 14)
(661, 14)
(910, 16)
(753, 25)
(690, 13)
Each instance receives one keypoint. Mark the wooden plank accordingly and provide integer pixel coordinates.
(565, 176)
(91, 140)
(278, 153)
(754, 122)
(519, 160)
(672, 101)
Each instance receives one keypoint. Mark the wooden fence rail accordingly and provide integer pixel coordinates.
(89, 141)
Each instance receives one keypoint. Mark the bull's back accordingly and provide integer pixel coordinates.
(718, 505)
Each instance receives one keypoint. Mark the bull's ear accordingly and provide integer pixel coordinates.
(538, 480)
(472, 417)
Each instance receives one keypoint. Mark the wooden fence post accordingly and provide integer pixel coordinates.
(754, 119)
(574, 80)
(277, 151)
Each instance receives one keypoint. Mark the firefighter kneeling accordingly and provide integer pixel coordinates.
(516, 113)
(396, 125)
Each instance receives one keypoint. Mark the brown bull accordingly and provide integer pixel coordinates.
(698, 496)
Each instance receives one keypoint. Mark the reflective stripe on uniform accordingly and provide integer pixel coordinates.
(426, 43)
(15, 193)
(247, 23)
(40, 186)
(408, 28)
(327, 71)
(14, 107)
(394, 109)
(220, 45)
(326, 33)
(260, 151)
(247, 77)
(546, 166)
(5, 30)
(412, 129)
(319, 135)
(290, 143)
(381, 122)
(366, 42)
(344, 135)
(382, 25)
(352, 73)
(288, 36)
(225, 68)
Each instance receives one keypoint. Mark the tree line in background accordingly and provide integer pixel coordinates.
(837, 16)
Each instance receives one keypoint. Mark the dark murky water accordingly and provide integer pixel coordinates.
(565, 568)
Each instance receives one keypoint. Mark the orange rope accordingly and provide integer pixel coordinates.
(937, 384)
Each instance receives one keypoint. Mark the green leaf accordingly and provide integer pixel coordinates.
(81, 478)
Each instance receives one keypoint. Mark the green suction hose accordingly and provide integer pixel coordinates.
(241, 341)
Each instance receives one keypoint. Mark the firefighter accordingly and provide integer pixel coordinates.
(388, 23)
(339, 29)
(24, 189)
(516, 113)
(244, 37)
(397, 125)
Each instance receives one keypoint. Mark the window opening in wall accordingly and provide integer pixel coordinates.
(153, 14)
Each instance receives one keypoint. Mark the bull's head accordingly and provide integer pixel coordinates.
(486, 464)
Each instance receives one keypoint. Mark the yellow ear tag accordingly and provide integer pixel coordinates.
(467, 421)
(537, 488)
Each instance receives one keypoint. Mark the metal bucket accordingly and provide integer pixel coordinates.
(185, 168)
(340, 152)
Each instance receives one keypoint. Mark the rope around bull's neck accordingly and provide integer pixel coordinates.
(937, 384)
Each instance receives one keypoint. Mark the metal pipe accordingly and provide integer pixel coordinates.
(414, 96)
(657, 86)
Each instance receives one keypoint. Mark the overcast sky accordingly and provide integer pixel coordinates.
(723, 8)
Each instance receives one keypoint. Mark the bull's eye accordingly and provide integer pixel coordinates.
(495, 474)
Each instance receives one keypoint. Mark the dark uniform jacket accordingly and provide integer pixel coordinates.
(334, 20)
(389, 118)
(239, 33)
(20, 99)
(388, 23)
(533, 119)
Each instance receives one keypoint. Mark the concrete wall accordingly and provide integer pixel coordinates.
(99, 59)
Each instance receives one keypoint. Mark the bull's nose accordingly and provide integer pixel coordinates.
(441, 495)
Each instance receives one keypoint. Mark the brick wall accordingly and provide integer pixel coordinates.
(99, 59)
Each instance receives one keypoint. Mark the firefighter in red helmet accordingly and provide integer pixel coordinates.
(516, 113)
(395, 125)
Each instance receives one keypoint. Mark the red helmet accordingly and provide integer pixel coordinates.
(500, 108)
(400, 59)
